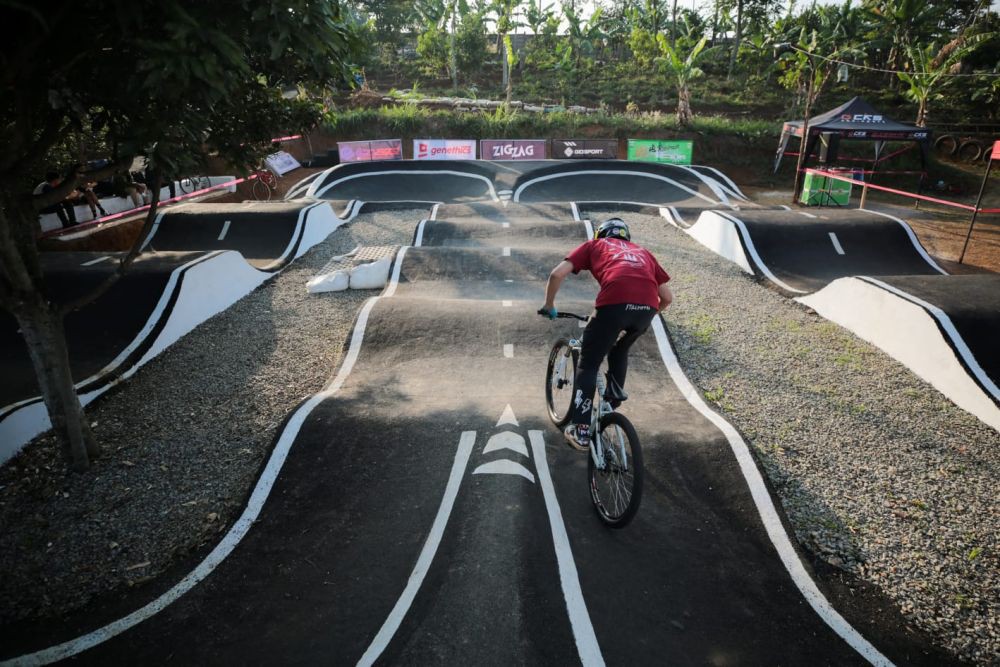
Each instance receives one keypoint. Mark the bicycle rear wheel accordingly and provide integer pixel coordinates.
(617, 490)
(559, 375)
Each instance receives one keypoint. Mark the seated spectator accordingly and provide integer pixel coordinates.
(85, 194)
(126, 186)
(64, 208)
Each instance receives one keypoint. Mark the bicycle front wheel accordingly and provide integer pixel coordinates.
(559, 375)
(617, 489)
(260, 190)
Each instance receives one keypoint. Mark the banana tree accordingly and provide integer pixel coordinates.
(684, 68)
(931, 66)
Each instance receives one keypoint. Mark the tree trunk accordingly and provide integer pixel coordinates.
(43, 332)
(922, 113)
(451, 49)
(736, 39)
(684, 114)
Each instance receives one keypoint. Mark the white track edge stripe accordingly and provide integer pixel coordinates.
(745, 233)
(576, 606)
(766, 509)
(956, 338)
(489, 183)
(242, 525)
(548, 177)
(913, 239)
(426, 557)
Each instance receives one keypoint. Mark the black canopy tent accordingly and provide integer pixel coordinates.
(855, 120)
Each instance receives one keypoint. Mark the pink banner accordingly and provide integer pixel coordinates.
(369, 151)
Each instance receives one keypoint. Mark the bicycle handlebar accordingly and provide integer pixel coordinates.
(564, 315)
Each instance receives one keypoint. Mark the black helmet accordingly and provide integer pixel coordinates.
(614, 227)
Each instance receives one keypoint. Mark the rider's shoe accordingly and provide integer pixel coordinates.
(578, 436)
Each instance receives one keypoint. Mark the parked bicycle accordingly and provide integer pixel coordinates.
(614, 467)
(264, 183)
(190, 184)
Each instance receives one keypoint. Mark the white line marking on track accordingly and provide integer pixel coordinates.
(576, 211)
(507, 304)
(225, 229)
(808, 215)
(949, 327)
(434, 211)
(913, 239)
(391, 624)
(745, 234)
(508, 350)
(96, 261)
(504, 467)
(576, 606)
(589, 229)
(245, 521)
(505, 225)
(625, 172)
(318, 194)
(507, 440)
(765, 506)
(509, 280)
(419, 241)
(787, 208)
(506, 252)
(836, 243)
(507, 417)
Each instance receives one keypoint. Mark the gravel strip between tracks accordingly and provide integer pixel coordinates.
(879, 474)
(184, 440)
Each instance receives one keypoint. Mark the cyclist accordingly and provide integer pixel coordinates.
(633, 289)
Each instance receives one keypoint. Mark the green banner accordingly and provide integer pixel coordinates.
(675, 151)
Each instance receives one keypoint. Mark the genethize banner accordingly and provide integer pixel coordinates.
(444, 149)
(512, 149)
(367, 151)
(585, 149)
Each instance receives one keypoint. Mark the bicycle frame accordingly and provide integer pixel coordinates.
(602, 408)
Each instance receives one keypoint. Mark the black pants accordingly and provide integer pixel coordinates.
(600, 339)
(64, 209)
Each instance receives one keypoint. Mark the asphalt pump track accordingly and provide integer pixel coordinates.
(197, 260)
(423, 510)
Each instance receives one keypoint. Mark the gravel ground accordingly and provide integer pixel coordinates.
(176, 469)
(879, 474)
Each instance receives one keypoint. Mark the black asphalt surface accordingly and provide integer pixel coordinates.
(98, 332)
(800, 252)
(267, 234)
(694, 580)
(972, 303)
(608, 181)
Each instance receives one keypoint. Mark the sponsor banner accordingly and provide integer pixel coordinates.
(995, 155)
(584, 149)
(444, 149)
(281, 163)
(368, 151)
(676, 151)
(512, 149)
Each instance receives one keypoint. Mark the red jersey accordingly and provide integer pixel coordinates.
(627, 273)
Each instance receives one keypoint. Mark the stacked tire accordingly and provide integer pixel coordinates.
(963, 149)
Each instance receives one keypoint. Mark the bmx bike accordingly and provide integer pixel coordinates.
(614, 466)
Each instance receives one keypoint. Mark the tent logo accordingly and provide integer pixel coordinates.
(862, 118)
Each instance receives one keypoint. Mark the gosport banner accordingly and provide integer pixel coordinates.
(512, 149)
(444, 149)
(367, 151)
(678, 151)
(585, 149)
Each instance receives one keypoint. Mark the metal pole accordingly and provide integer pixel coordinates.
(975, 211)
(805, 133)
